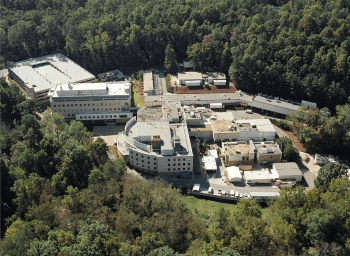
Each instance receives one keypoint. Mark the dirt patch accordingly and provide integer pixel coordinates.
(206, 89)
(296, 142)
(228, 183)
(309, 161)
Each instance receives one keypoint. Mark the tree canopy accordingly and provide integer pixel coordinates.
(299, 51)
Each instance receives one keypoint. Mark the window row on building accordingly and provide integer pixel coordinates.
(84, 110)
(87, 104)
(102, 116)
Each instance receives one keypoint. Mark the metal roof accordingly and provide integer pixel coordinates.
(289, 168)
(45, 72)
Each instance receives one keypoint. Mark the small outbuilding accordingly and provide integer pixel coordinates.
(220, 82)
(215, 105)
(321, 159)
(262, 176)
(209, 163)
(234, 174)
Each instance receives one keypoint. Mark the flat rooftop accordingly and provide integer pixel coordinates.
(244, 148)
(171, 111)
(201, 98)
(267, 148)
(277, 102)
(261, 124)
(199, 128)
(220, 116)
(209, 163)
(222, 126)
(255, 175)
(216, 76)
(154, 128)
(192, 115)
(45, 72)
(289, 168)
(92, 89)
(150, 114)
(166, 131)
(111, 75)
(189, 76)
(148, 80)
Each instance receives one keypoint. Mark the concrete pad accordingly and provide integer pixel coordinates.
(108, 132)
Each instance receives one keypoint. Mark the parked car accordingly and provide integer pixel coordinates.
(210, 190)
(237, 194)
(219, 192)
(232, 193)
(228, 193)
(246, 196)
(241, 195)
(223, 193)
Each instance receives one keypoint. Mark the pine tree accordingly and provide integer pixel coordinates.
(170, 59)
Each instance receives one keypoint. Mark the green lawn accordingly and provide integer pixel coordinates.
(168, 86)
(205, 207)
(137, 102)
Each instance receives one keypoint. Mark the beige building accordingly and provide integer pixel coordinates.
(235, 153)
(92, 101)
(267, 152)
(229, 129)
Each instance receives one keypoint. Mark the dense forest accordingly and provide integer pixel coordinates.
(62, 195)
(300, 51)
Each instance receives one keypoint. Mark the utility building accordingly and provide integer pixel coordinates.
(95, 101)
(262, 176)
(286, 171)
(236, 153)
(216, 78)
(234, 174)
(37, 76)
(190, 78)
(267, 152)
(114, 75)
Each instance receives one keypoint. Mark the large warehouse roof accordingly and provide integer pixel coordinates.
(45, 72)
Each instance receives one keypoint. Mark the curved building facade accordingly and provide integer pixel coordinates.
(159, 148)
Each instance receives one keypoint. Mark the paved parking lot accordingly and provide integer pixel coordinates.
(108, 132)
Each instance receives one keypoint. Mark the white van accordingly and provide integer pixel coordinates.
(237, 194)
(232, 193)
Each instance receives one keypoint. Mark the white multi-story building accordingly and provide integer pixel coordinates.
(37, 76)
(160, 148)
(92, 101)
